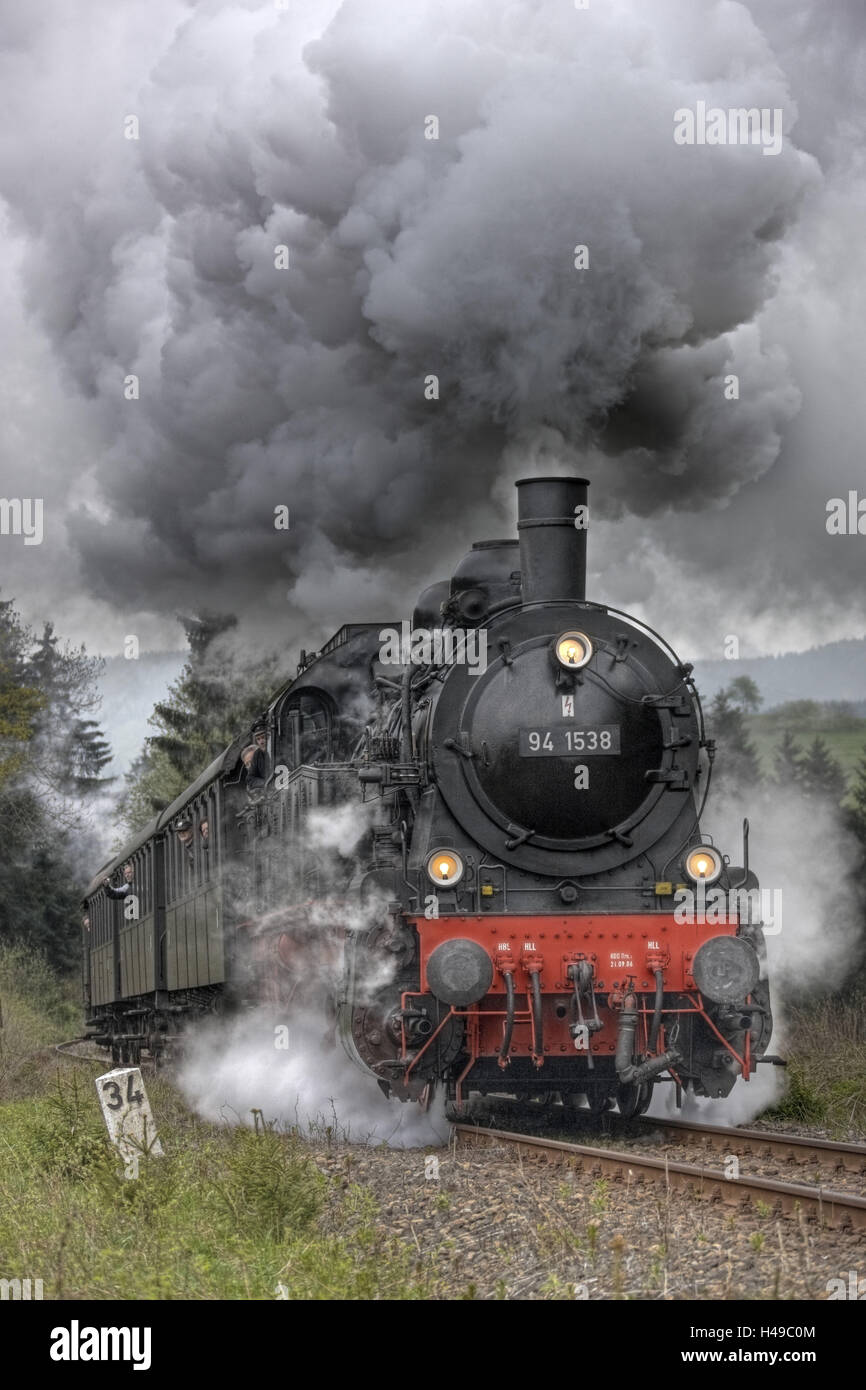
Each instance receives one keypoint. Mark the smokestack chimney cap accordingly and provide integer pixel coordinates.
(552, 539)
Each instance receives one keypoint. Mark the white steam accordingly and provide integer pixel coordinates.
(799, 850)
(230, 1070)
(285, 1059)
(744, 1103)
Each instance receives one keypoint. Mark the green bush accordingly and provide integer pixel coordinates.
(801, 1102)
(224, 1214)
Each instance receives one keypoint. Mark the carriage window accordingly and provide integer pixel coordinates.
(171, 859)
(305, 731)
(203, 825)
(103, 920)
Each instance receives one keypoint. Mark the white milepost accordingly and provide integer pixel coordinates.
(128, 1117)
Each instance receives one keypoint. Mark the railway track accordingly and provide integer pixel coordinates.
(104, 1058)
(811, 1202)
(63, 1050)
(793, 1150)
(773, 1149)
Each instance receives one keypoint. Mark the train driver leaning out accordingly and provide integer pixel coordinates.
(125, 888)
(257, 763)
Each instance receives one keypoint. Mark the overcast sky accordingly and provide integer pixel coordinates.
(260, 126)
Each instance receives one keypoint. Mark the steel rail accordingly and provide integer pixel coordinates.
(797, 1149)
(815, 1204)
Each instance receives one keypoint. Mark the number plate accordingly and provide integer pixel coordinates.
(128, 1116)
(564, 740)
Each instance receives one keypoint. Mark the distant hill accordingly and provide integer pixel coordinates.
(836, 671)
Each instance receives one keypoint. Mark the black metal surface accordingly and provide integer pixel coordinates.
(526, 811)
(552, 548)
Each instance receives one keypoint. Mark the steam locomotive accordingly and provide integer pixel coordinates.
(474, 844)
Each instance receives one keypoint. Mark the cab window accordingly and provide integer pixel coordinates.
(306, 728)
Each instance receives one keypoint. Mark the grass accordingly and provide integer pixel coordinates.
(845, 738)
(826, 1048)
(226, 1214)
(246, 1213)
(37, 1010)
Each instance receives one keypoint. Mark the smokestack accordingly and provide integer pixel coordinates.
(552, 548)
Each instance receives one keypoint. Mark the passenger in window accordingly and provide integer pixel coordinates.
(247, 756)
(85, 921)
(126, 886)
(204, 833)
(183, 827)
(258, 764)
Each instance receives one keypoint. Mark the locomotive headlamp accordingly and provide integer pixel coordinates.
(445, 867)
(459, 972)
(703, 865)
(573, 650)
(726, 969)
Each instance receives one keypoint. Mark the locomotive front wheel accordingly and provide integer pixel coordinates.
(633, 1100)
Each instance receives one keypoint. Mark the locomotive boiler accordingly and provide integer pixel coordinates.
(513, 896)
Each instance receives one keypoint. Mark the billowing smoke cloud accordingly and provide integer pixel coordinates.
(802, 854)
(284, 1059)
(306, 127)
(743, 1104)
(231, 1070)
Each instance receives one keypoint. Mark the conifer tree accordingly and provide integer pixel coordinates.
(51, 753)
(856, 810)
(744, 692)
(216, 698)
(20, 701)
(788, 762)
(737, 764)
(821, 774)
(69, 751)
